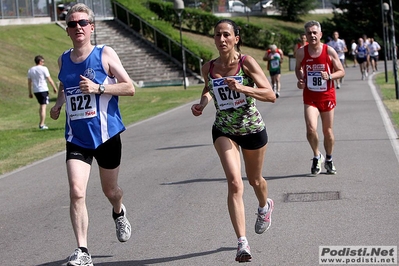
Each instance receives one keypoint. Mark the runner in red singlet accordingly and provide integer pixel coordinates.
(302, 41)
(317, 66)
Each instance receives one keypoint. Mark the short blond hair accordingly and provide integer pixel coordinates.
(311, 24)
(81, 8)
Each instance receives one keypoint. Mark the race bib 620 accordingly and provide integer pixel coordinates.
(225, 97)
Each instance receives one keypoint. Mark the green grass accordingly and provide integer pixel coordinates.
(276, 23)
(21, 141)
(388, 92)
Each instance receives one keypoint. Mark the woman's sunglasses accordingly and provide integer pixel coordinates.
(82, 23)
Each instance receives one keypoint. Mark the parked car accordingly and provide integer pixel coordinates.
(238, 6)
(62, 9)
(263, 5)
(195, 4)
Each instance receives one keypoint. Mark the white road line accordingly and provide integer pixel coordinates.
(393, 136)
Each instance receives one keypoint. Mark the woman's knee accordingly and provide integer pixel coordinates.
(235, 187)
(257, 182)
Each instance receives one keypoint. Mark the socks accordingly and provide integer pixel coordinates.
(243, 239)
(83, 249)
(117, 215)
(328, 157)
(263, 210)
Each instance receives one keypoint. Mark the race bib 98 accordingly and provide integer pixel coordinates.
(315, 82)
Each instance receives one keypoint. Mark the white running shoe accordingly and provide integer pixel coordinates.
(264, 220)
(316, 165)
(123, 228)
(243, 252)
(330, 167)
(79, 258)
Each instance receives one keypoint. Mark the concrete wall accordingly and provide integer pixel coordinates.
(24, 21)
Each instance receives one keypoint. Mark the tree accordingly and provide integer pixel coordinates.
(293, 9)
(353, 18)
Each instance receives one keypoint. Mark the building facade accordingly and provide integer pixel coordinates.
(23, 9)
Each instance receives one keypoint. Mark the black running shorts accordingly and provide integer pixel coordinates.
(249, 142)
(108, 154)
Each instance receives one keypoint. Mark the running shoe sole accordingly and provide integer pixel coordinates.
(244, 257)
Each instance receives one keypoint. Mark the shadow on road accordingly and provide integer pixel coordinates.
(145, 261)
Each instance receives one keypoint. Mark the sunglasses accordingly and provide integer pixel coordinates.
(82, 23)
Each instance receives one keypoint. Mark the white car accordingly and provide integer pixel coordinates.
(262, 5)
(238, 6)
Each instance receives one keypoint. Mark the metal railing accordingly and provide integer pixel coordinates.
(12, 9)
(158, 40)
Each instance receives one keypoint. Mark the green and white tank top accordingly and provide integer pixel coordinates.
(236, 113)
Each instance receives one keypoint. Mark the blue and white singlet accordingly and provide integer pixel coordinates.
(362, 52)
(91, 119)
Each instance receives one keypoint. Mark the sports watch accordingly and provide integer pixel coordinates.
(101, 88)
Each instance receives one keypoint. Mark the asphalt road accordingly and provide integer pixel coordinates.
(175, 191)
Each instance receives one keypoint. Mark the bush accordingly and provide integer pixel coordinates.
(157, 12)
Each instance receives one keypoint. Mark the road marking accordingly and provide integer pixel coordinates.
(393, 137)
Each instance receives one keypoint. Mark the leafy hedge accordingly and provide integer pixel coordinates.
(199, 21)
(157, 12)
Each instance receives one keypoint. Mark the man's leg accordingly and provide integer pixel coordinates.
(311, 116)
(78, 177)
(42, 114)
(111, 189)
(327, 120)
(278, 82)
(274, 85)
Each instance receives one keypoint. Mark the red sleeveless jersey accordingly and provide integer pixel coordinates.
(317, 89)
(299, 45)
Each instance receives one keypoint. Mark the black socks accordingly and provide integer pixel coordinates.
(83, 249)
(116, 215)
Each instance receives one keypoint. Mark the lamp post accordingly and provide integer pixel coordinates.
(246, 9)
(179, 7)
(394, 56)
(384, 11)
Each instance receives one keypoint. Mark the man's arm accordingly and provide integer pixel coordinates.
(30, 88)
(298, 68)
(114, 67)
(266, 56)
(50, 80)
(295, 49)
(339, 71)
